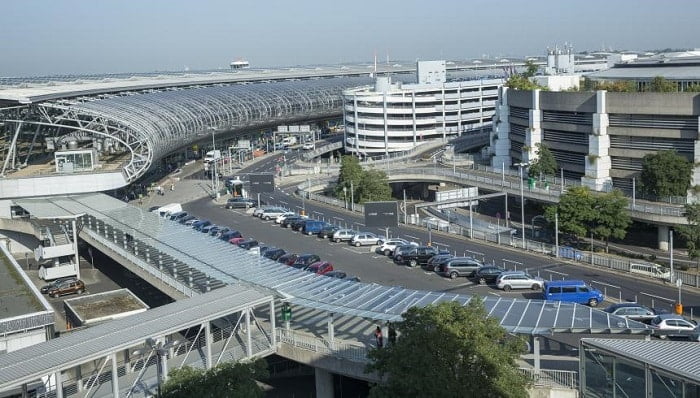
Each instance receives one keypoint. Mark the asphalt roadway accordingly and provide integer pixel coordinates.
(371, 267)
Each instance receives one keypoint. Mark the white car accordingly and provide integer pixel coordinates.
(365, 239)
(258, 210)
(272, 213)
(674, 325)
(518, 280)
(307, 146)
(387, 248)
(283, 216)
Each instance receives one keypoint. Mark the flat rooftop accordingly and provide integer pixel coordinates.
(16, 297)
(106, 305)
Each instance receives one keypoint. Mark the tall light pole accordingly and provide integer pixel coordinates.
(522, 201)
(352, 196)
(214, 179)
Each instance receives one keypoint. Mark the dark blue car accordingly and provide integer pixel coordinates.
(200, 224)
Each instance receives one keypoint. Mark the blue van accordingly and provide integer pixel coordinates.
(313, 227)
(572, 291)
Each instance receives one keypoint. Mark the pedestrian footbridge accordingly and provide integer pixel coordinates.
(229, 307)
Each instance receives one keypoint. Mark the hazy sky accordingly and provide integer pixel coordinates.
(93, 36)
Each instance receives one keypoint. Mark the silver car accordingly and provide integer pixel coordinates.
(518, 280)
(365, 239)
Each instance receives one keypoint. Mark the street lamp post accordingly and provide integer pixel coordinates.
(522, 201)
(345, 197)
(214, 176)
(352, 196)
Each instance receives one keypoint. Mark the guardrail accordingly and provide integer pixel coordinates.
(552, 378)
(354, 351)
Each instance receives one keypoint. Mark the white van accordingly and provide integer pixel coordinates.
(212, 156)
(653, 270)
(168, 209)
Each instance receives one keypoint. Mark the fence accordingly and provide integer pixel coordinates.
(552, 378)
(353, 351)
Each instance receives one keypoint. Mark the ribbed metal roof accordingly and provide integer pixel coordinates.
(648, 73)
(230, 264)
(675, 357)
(33, 362)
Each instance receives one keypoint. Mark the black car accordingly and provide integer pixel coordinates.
(304, 260)
(400, 251)
(436, 260)
(289, 221)
(240, 203)
(274, 254)
(248, 244)
(487, 274)
(228, 235)
(632, 311)
(327, 231)
(419, 255)
(297, 225)
(341, 275)
(186, 218)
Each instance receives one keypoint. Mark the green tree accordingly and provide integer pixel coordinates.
(660, 85)
(447, 349)
(665, 173)
(350, 171)
(227, 380)
(374, 186)
(691, 232)
(545, 164)
(520, 82)
(584, 213)
(530, 68)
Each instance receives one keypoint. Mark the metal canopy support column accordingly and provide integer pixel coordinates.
(536, 353)
(273, 326)
(59, 384)
(11, 150)
(249, 340)
(115, 376)
(208, 341)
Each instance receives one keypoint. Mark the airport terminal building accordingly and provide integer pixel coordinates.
(392, 117)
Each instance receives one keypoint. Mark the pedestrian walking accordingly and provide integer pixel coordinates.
(378, 337)
(392, 335)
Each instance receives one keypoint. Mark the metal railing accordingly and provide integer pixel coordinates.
(354, 351)
(551, 378)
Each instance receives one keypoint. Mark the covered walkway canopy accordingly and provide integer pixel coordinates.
(230, 264)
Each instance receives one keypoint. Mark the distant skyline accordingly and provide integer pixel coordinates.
(49, 37)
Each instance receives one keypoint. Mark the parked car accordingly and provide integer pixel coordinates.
(188, 220)
(320, 267)
(401, 251)
(247, 244)
(487, 274)
(259, 210)
(342, 275)
(236, 241)
(434, 261)
(53, 284)
(272, 213)
(632, 311)
(69, 286)
(218, 230)
(290, 221)
(343, 235)
(387, 248)
(418, 255)
(197, 226)
(365, 239)
(509, 280)
(459, 266)
(288, 259)
(304, 260)
(240, 203)
(274, 254)
(327, 231)
(177, 215)
(574, 291)
(665, 325)
(208, 228)
(228, 235)
(311, 227)
(284, 216)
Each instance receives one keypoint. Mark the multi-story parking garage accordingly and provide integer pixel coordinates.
(392, 117)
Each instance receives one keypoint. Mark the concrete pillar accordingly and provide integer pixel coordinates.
(127, 361)
(533, 135)
(693, 195)
(59, 384)
(208, 341)
(324, 383)
(79, 378)
(273, 323)
(25, 392)
(331, 331)
(500, 135)
(598, 163)
(663, 237)
(115, 376)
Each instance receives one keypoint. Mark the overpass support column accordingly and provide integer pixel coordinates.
(663, 237)
(249, 340)
(331, 331)
(324, 383)
(597, 161)
(536, 353)
(500, 135)
(208, 342)
(115, 376)
(59, 384)
(273, 323)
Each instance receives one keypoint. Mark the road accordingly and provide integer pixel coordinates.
(371, 267)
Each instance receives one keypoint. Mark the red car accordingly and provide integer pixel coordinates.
(320, 267)
(235, 241)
